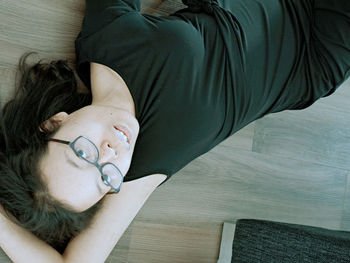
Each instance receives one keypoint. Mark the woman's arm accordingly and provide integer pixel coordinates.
(112, 220)
(22, 246)
(95, 243)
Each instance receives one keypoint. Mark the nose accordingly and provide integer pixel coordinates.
(107, 153)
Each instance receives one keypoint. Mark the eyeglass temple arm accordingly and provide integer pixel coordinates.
(56, 140)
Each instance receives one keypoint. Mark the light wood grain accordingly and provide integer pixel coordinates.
(228, 233)
(291, 166)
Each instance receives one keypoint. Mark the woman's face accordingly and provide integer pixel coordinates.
(69, 178)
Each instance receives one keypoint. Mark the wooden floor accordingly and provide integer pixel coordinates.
(289, 167)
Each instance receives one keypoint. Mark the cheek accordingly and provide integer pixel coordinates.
(76, 189)
(86, 197)
(127, 166)
(81, 196)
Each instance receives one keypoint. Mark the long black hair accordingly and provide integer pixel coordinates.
(44, 89)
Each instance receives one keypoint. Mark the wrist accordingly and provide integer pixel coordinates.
(4, 220)
(2, 215)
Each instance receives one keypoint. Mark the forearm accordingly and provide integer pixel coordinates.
(22, 246)
(94, 243)
(108, 226)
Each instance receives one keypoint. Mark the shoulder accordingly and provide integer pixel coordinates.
(106, 84)
(99, 71)
(149, 181)
(146, 183)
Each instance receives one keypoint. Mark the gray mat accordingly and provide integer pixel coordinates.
(267, 241)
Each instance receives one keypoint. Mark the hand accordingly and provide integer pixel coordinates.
(22, 246)
(2, 211)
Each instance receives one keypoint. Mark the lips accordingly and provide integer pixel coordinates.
(124, 130)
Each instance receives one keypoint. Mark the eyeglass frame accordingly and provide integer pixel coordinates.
(99, 167)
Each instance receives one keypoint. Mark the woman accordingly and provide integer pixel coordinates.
(164, 90)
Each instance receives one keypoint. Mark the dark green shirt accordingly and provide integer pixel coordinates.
(198, 77)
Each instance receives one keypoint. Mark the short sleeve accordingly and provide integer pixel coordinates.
(118, 6)
(99, 13)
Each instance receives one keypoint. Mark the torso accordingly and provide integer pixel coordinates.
(109, 77)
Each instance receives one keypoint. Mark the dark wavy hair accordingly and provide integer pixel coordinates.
(44, 89)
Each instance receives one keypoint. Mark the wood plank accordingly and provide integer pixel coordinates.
(228, 233)
(318, 134)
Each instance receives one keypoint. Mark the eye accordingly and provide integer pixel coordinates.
(80, 161)
(81, 153)
(104, 184)
(106, 180)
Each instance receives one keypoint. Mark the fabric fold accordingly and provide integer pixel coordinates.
(197, 6)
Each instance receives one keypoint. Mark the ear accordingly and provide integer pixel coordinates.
(53, 123)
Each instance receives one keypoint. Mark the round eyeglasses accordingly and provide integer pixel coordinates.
(87, 150)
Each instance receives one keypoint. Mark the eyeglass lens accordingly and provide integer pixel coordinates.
(88, 151)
